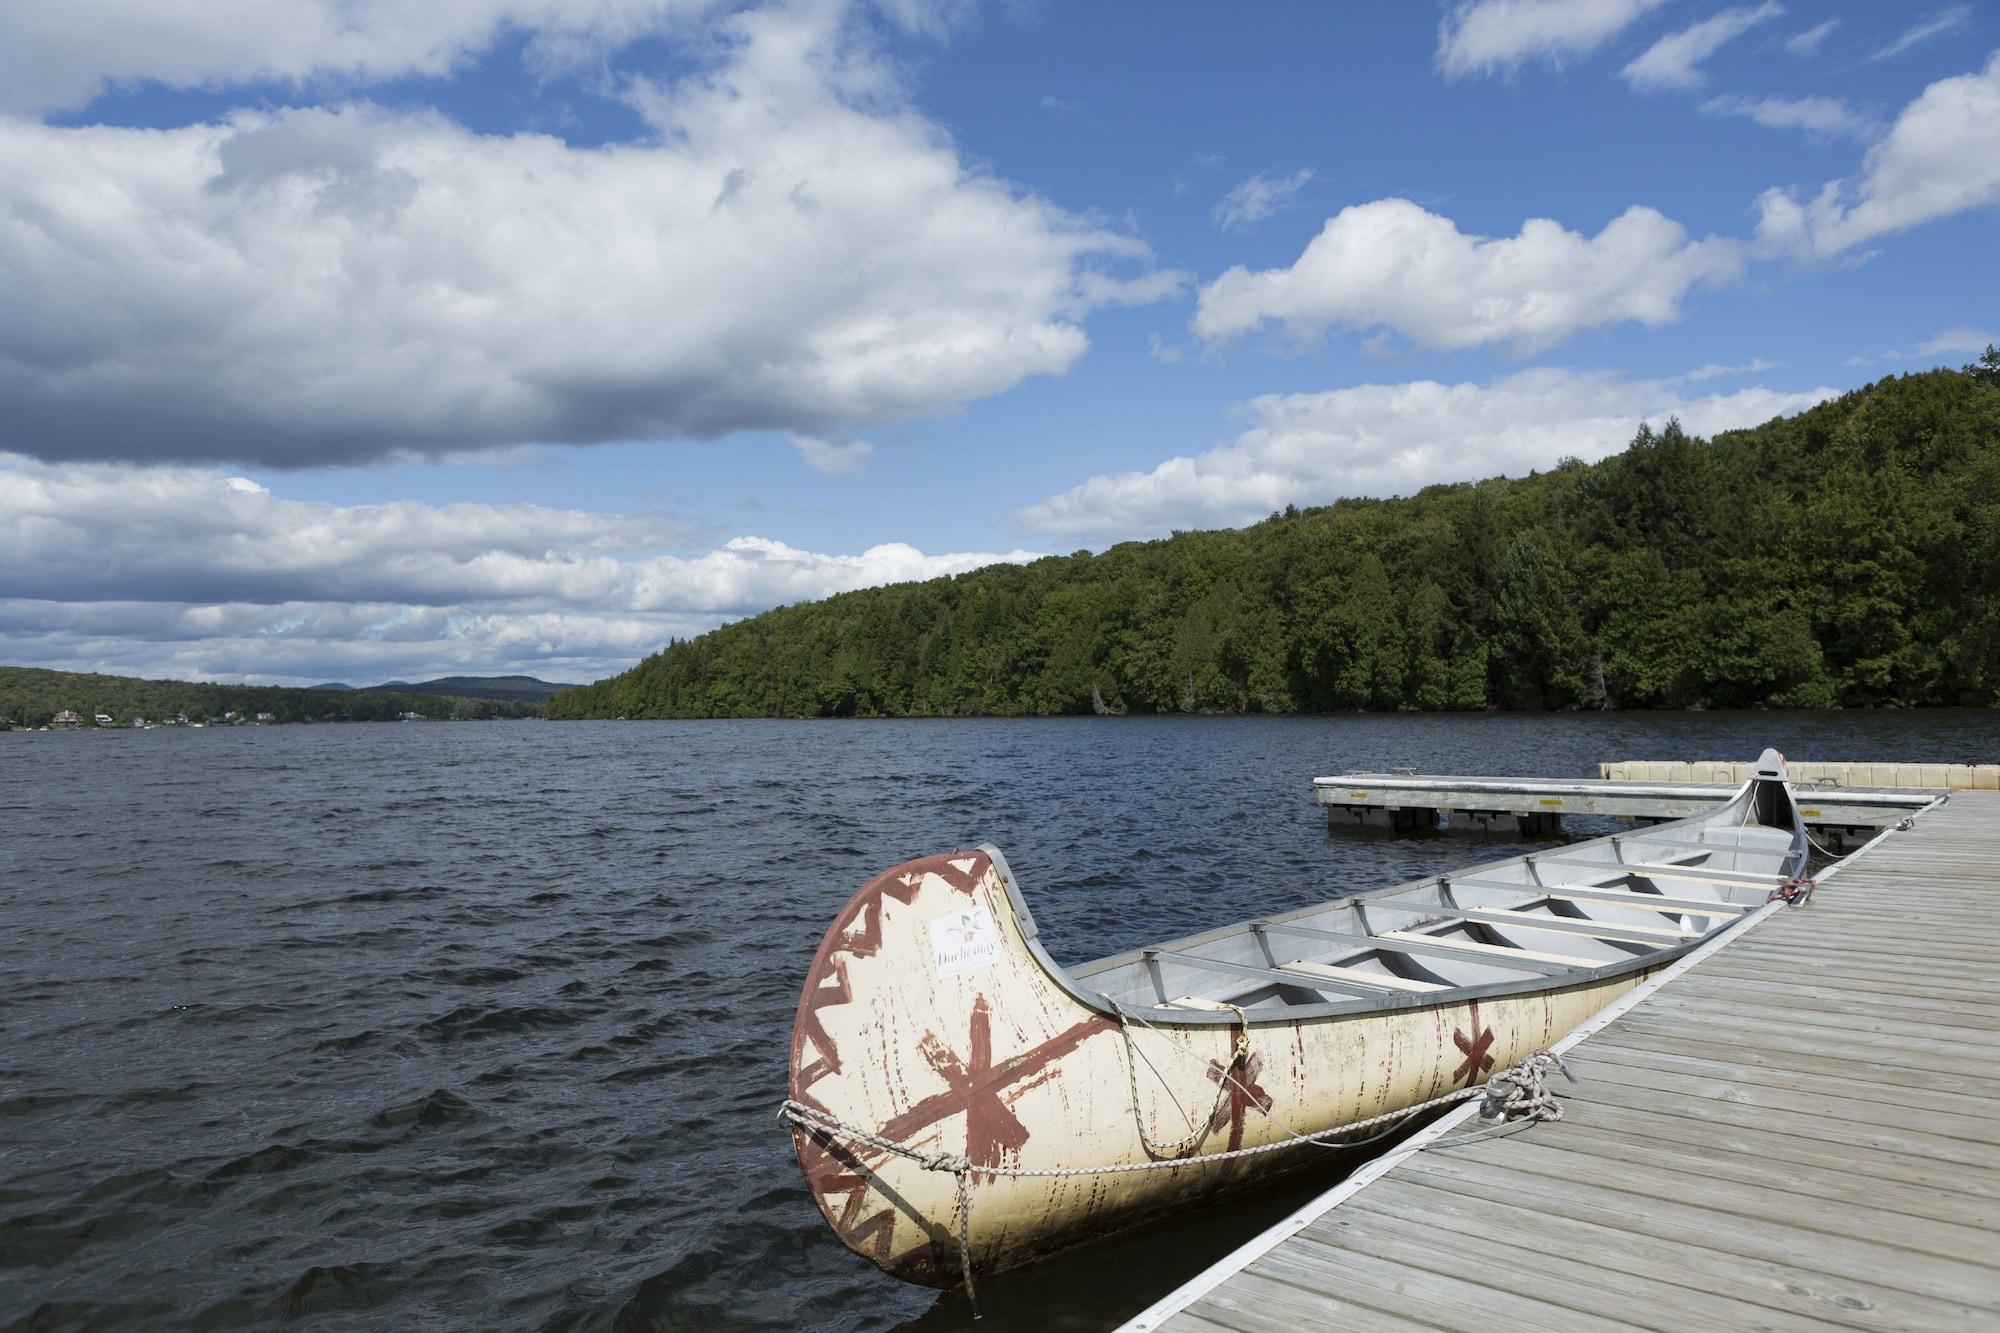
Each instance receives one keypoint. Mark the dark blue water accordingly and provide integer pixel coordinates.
(483, 1025)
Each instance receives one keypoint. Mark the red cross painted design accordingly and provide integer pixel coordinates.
(1474, 1048)
(1244, 1093)
(975, 1084)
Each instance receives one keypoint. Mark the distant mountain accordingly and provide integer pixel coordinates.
(526, 689)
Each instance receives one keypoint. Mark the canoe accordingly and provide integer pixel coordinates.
(936, 1042)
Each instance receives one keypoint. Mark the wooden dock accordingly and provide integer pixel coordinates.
(1842, 817)
(1805, 773)
(1797, 1129)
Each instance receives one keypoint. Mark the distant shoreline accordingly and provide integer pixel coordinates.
(34, 697)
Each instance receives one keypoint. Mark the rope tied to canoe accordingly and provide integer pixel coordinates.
(1517, 1094)
(1225, 1078)
(1520, 1091)
(1796, 892)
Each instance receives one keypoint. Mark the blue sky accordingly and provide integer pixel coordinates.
(355, 340)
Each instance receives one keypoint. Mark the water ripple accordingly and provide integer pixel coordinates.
(482, 1025)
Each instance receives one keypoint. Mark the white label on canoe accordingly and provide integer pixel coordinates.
(963, 941)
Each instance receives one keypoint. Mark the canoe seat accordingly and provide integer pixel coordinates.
(1501, 950)
(1651, 902)
(1194, 1002)
(1581, 925)
(1330, 972)
(1661, 870)
(1701, 874)
(1420, 946)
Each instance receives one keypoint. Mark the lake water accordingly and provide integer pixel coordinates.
(484, 1025)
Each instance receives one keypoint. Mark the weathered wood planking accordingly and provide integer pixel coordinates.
(1801, 1132)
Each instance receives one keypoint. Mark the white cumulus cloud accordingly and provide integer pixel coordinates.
(1391, 439)
(1498, 36)
(188, 571)
(1392, 264)
(63, 55)
(791, 247)
(1941, 157)
(1674, 61)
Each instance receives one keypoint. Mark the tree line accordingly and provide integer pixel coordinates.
(1849, 555)
(1846, 556)
(32, 697)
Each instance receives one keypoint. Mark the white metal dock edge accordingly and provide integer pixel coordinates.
(1156, 1315)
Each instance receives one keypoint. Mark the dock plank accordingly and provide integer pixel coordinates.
(1262, 1303)
(1915, 1113)
(1791, 1057)
(1749, 994)
(1442, 1299)
(1853, 1081)
(1829, 1133)
(1802, 1043)
(1807, 1012)
(1803, 1131)
(1655, 1176)
(1671, 1295)
(1502, 1287)
(1886, 980)
(1762, 1292)
(1822, 1180)
(1710, 1224)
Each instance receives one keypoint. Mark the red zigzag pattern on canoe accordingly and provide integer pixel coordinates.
(830, 1167)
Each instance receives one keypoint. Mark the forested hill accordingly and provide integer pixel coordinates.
(32, 696)
(1849, 555)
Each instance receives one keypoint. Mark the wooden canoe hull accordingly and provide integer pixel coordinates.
(929, 1017)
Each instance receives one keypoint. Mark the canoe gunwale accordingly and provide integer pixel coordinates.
(1074, 980)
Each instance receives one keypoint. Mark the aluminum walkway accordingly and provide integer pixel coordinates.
(1799, 1129)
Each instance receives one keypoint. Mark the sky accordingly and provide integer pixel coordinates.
(356, 340)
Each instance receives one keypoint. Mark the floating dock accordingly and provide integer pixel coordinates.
(1534, 807)
(1796, 1127)
(1847, 773)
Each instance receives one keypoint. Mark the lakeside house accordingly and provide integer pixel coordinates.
(267, 717)
(69, 717)
(105, 720)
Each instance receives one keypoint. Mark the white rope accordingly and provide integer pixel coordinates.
(1239, 1059)
(809, 1118)
(1228, 1079)
(1520, 1092)
(1515, 1095)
